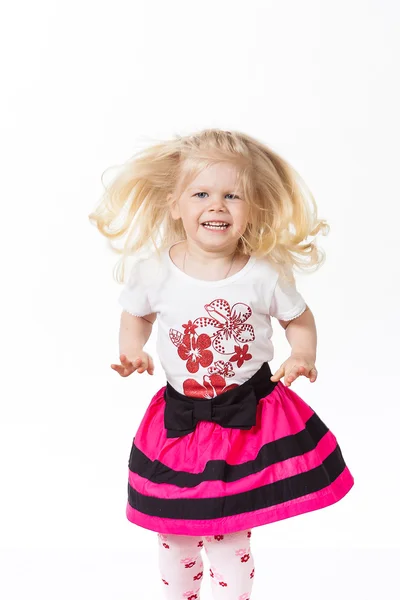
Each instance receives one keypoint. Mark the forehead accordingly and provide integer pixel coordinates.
(219, 175)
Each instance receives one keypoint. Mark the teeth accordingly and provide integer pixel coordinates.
(215, 225)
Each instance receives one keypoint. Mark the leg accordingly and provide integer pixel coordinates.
(181, 566)
(232, 565)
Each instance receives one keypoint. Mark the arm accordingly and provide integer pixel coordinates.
(301, 334)
(134, 332)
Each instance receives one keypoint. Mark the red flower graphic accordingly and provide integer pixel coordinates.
(245, 557)
(218, 537)
(166, 582)
(222, 368)
(227, 326)
(195, 352)
(241, 355)
(190, 327)
(223, 583)
(213, 386)
(198, 576)
(252, 574)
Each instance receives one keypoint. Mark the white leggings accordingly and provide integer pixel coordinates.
(231, 565)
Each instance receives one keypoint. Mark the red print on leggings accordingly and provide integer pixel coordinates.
(243, 553)
(191, 595)
(188, 562)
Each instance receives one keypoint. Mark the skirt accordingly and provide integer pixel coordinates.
(218, 479)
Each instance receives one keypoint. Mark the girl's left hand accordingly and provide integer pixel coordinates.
(294, 366)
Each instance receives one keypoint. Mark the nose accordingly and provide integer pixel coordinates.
(217, 203)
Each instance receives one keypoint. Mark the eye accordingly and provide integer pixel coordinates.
(197, 194)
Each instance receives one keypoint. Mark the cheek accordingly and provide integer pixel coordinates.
(242, 217)
(191, 215)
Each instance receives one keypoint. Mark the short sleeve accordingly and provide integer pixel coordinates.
(134, 297)
(286, 302)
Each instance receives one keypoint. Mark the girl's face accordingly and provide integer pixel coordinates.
(213, 215)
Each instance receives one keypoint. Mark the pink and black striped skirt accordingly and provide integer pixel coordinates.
(218, 479)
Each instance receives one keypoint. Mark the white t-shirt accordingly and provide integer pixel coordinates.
(211, 334)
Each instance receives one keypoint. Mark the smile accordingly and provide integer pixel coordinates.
(215, 225)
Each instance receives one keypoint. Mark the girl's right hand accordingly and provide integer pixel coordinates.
(140, 363)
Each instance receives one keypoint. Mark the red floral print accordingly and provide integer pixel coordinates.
(252, 574)
(226, 326)
(200, 544)
(165, 545)
(190, 327)
(249, 534)
(225, 369)
(218, 537)
(191, 595)
(241, 355)
(223, 583)
(211, 573)
(188, 562)
(194, 351)
(212, 387)
(245, 558)
(166, 582)
(198, 576)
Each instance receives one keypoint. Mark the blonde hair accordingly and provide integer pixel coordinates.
(282, 217)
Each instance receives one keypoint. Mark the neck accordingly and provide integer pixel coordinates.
(204, 256)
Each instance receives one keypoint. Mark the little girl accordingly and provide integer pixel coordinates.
(217, 221)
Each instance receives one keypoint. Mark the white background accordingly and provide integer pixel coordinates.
(83, 84)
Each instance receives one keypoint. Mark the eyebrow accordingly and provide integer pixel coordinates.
(205, 187)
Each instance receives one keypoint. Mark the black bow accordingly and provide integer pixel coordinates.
(236, 408)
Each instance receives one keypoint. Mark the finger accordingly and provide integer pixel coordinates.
(313, 374)
(125, 360)
(151, 366)
(278, 374)
(132, 365)
(293, 374)
(120, 370)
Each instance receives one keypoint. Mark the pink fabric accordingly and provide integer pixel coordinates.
(325, 497)
(279, 414)
(210, 489)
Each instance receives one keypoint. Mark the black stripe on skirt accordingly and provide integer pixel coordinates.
(269, 454)
(261, 497)
(255, 499)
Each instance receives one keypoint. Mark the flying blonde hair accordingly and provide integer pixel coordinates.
(282, 217)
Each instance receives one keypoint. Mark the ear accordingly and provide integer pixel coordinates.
(174, 208)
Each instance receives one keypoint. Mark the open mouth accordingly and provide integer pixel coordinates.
(215, 225)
